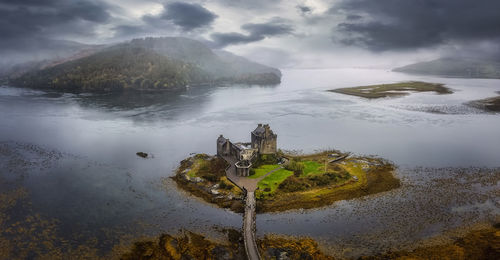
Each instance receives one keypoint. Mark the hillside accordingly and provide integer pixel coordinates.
(147, 64)
(222, 66)
(454, 67)
(47, 53)
(115, 68)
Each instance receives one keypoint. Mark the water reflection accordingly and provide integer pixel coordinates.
(98, 182)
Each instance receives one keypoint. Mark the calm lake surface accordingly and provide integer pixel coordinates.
(75, 156)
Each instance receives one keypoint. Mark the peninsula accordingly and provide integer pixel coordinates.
(455, 67)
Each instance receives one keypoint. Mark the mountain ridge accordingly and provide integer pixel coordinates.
(455, 67)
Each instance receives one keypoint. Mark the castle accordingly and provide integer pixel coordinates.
(263, 141)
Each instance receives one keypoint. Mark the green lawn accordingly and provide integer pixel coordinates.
(311, 167)
(262, 170)
(273, 180)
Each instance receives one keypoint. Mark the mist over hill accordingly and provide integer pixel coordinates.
(221, 65)
(41, 54)
(455, 67)
(145, 64)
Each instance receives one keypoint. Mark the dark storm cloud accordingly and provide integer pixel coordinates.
(256, 32)
(304, 10)
(353, 17)
(24, 24)
(400, 25)
(188, 16)
(185, 16)
(265, 5)
(128, 30)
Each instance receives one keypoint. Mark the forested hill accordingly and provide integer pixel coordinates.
(115, 68)
(148, 64)
(221, 65)
(455, 67)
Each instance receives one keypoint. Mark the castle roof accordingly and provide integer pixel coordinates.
(259, 130)
(262, 129)
(221, 139)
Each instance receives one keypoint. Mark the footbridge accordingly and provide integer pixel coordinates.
(249, 186)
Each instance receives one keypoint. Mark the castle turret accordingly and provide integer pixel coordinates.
(264, 139)
(221, 145)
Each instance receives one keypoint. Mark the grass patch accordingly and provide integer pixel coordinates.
(271, 182)
(350, 178)
(312, 167)
(195, 168)
(393, 90)
(263, 169)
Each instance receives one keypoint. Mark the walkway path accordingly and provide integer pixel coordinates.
(250, 185)
(340, 158)
(249, 228)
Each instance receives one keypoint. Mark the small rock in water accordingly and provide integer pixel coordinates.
(141, 154)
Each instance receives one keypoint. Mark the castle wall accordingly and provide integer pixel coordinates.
(268, 146)
(266, 143)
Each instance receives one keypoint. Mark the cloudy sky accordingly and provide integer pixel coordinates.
(282, 33)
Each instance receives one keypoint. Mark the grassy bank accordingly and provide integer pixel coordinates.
(319, 182)
(393, 90)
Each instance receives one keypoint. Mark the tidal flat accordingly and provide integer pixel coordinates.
(70, 153)
(491, 104)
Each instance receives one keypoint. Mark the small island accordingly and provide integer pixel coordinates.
(281, 181)
(393, 90)
(257, 177)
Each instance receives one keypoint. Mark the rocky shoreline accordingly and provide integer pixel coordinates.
(204, 176)
(482, 243)
(216, 189)
(491, 104)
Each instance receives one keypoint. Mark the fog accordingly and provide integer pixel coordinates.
(283, 34)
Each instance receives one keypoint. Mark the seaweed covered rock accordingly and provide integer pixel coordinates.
(187, 245)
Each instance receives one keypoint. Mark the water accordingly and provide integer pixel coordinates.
(76, 153)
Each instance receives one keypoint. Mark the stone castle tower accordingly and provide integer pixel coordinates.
(264, 139)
